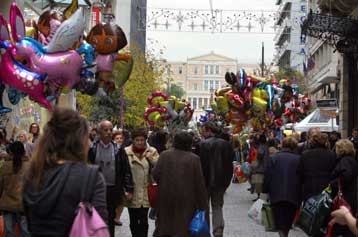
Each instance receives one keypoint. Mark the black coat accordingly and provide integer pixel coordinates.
(124, 179)
(282, 179)
(315, 169)
(51, 210)
(216, 157)
(347, 170)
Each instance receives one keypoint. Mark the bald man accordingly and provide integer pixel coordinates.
(113, 163)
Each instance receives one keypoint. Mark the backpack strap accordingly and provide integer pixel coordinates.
(89, 182)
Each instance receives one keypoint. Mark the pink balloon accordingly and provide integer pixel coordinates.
(63, 69)
(17, 76)
(105, 62)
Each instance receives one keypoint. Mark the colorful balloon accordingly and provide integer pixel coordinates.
(14, 95)
(87, 53)
(89, 83)
(122, 70)
(67, 33)
(3, 109)
(63, 69)
(16, 75)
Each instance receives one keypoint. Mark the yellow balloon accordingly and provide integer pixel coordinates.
(222, 104)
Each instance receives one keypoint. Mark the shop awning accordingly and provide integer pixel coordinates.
(325, 119)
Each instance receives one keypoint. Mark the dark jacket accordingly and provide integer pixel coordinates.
(181, 191)
(262, 158)
(347, 170)
(124, 180)
(315, 169)
(51, 210)
(281, 178)
(216, 157)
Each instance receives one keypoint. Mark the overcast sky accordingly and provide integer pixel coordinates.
(246, 47)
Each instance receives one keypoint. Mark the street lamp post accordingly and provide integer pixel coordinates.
(211, 96)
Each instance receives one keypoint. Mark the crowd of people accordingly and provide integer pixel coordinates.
(41, 176)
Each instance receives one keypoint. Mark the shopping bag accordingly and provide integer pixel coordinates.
(1, 227)
(255, 211)
(314, 213)
(198, 226)
(268, 219)
(152, 194)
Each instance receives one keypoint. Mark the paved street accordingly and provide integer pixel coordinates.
(237, 203)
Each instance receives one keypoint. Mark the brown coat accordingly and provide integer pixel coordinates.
(181, 191)
(11, 187)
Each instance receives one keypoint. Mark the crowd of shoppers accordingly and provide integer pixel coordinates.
(41, 176)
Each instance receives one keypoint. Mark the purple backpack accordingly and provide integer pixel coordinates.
(88, 222)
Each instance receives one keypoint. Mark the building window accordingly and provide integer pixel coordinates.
(206, 85)
(211, 85)
(196, 70)
(180, 70)
(189, 99)
(217, 71)
(206, 103)
(211, 69)
(194, 103)
(206, 69)
(195, 86)
(217, 84)
(200, 103)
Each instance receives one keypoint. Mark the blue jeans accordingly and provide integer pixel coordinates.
(10, 219)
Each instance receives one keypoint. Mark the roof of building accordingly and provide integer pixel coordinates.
(211, 57)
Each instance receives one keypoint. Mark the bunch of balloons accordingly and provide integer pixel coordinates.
(52, 57)
(257, 102)
(167, 111)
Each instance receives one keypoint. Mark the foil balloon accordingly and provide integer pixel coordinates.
(230, 78)
(63, 69)
(235, 100)
(67, 33)
(16, 75)
(156, 98)
(153, 116)
(242, 78)
(122, 70)
(223, 91)
(14, 95)
(17, 23)
(3, 109)
(203, 118)
(87, 53)
(89, 83)
(271, 93)
(222, 104)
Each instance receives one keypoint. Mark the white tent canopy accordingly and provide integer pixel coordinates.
(317, 119)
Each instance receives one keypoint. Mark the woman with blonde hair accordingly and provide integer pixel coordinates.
(346, 171)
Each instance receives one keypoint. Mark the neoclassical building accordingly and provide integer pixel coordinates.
(200, 76)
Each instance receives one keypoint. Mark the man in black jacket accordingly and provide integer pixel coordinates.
(114, 165)
(216, 157)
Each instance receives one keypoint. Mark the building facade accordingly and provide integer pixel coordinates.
(343, 17)
(200, 76)
(323, 66)
(290, 46)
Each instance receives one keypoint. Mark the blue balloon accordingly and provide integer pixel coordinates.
(203, 118)
(271, 93)
(87, 52)
(3, 109)
(14, 95)
(242, 78)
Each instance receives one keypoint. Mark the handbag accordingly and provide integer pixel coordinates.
(314, 213)
(338, 201)
(88, 223)
(268, 219)
(255, 211)
(198, 226)
(152, 188)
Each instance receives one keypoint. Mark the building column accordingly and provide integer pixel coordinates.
(344, 97)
